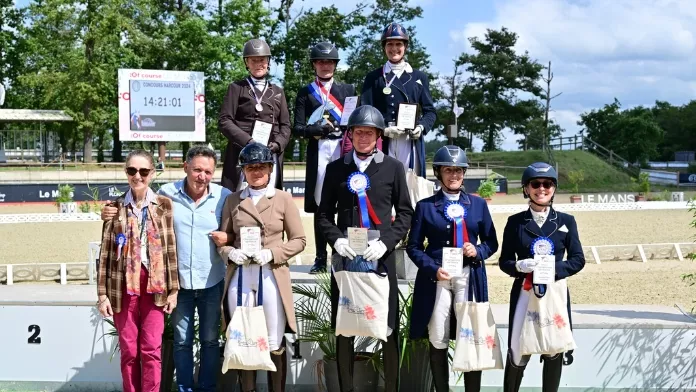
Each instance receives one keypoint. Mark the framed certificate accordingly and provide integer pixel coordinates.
(406, 117)
(250, 239)
(453, 261)
(261, 132)
(357, 239)
(545, 270)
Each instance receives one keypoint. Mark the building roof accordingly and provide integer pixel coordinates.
(22, 115)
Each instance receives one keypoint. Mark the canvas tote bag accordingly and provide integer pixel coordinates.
(546, 327)
(363, 304)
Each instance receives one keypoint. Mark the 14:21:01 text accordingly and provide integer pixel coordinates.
(161, 101)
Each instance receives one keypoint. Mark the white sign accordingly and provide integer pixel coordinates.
(357, 239)
(349, 105)
(262, 132)
(609, 198)
(250, 239)
(545, 270)
(453, 261)
(161, 105)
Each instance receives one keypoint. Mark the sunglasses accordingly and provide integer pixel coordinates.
(131, 171)
(538, 184)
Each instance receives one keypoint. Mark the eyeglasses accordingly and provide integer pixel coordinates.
(131, 171)
(538, 184)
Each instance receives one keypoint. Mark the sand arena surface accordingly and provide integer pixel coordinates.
(621, 282)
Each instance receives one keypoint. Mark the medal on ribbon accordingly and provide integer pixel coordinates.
(387, 90)
(456, 213)
(120, 242)
(258, 106)
(359, 183)
(542, 246)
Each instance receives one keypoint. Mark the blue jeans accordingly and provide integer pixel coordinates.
(208, 302)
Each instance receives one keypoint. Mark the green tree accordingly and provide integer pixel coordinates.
(10, 22)
(497, 76)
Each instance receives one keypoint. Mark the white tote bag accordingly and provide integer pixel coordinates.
(478, 345)
(546, 327)
(247, 336)
(418, 187)
(363, 304)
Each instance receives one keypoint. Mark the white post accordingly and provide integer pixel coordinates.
(595, 254)
(10, 278)
(63, 274)
(641, 252)
(677, 249)
(298, 260)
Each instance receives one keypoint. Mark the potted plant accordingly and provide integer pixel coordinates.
(642, 186)
(575, 177)
(64, 201)
(488, 187)
(313, 314)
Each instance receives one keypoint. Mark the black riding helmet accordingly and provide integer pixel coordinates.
(539, 170)
(394, 31)
(451, 156)
(324, 51)
(366, 116)
(254, 153)
(256, 47)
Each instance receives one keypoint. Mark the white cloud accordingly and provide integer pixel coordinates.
(636, 51)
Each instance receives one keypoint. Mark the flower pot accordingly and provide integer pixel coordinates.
(416, 372)
(640, 197)
(488, 200)
(405, 269)
(68, 208)
(365, 376)
(167, 365)
(576, 199)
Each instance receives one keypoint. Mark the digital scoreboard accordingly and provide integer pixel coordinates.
(161, 105)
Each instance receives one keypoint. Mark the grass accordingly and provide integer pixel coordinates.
(599, 175)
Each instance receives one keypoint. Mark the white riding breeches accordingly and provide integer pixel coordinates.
(439, 325)
(403, 148)
(272, 303)
(329, 151)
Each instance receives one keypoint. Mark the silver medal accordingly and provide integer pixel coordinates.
(259, 107)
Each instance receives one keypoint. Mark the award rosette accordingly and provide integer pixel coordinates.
(359, 183)
(542, 246)
(456, 213)
(120, 242)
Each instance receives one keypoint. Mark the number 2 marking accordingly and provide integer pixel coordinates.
(34, 338)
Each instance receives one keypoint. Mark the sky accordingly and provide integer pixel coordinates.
(637, 51)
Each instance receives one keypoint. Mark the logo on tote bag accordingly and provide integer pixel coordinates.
(467, 335)
(243, 341)
(557, 320)
(368, 310)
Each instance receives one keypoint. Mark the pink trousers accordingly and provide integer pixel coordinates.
(140, 325)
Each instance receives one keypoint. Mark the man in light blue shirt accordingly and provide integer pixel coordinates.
(198, 205)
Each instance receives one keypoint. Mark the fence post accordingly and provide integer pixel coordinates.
(677, 248)
(10, 277)
(595, 254)
(611, 157)
(641, 252)
(63, 274)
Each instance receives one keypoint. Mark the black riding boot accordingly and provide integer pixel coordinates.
(513, 375)
(345, 355)
(439, 366)
(248, 380)
(276, 380)
(551, 375)
(472, 381)
(321, 256)
(391, 362)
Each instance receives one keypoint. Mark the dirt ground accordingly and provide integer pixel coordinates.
(627, 282)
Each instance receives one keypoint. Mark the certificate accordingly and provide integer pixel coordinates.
(453, 261)
(357, 239)
(349, 106)
(406, 118)
(261, 132)
(545, 270)
(250, 239)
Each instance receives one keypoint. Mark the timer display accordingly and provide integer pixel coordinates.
(162, 105)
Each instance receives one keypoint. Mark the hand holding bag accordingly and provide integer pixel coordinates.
(247, 335)
(546, 327)
(363, 304)
(478, 344)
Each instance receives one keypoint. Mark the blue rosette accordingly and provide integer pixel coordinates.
(456, 213)
(542, 246)
(358, 183)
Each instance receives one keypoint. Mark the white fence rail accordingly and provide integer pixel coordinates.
(662, 177)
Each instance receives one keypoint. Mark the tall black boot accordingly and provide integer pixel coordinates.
(248, 380)
(320, 243)
(551, 375)
(472, 381)
(276, 380)
(391, 362)
(345, 355)
(439, 366)
(513, 375)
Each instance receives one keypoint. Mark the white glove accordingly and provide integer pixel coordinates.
(239, 257)
(375, 250)
(526, 265)
(416, 133)
(263, 257)
(341, 247)
(392, 132)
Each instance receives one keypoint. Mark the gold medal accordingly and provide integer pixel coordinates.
(386, 90)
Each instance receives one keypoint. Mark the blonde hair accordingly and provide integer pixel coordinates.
(142, 154)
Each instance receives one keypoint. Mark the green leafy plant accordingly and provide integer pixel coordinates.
(65, 194)
(691, 278)
(576, 177)
(93, 195)
(642, 184)
(488, 187)
(84, 207)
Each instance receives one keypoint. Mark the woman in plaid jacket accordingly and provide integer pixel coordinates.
(138, 280)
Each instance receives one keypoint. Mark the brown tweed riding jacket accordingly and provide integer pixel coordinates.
(111, 274)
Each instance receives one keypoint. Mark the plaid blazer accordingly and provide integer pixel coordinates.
(111, 275)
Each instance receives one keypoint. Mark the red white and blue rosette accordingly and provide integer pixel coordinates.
(456, 213)
(120, 242)
(359, 183)
(542, 246)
